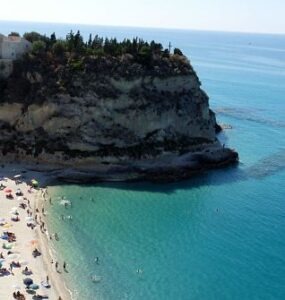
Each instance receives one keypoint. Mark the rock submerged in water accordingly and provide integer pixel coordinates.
(111, 120)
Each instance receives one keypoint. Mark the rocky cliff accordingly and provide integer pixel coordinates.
(109, 118)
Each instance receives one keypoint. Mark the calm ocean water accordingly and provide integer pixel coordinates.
(216, 236)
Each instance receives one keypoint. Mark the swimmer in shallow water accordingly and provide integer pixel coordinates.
(95, 278)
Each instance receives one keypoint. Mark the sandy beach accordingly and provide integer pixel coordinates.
(19, 241)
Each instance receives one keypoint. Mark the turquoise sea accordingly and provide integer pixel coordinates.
(220, 235)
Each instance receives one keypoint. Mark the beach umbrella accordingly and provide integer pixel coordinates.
(2, 221)
(18, 191)
(14, 213)
(45, 285)
(16, 286)
(32, 222)
(33, 286)
(14, 256)
(30, 219)
(34, 182)
(32, 292)
(33, 242)
(7, 225)
(28, 281)
(15, 218)
(7, 246)
(8, 190)
(24, 262)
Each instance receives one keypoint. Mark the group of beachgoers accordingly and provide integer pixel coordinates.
(9, 255)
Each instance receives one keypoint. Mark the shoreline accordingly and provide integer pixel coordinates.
(27, 239)
(46, 249)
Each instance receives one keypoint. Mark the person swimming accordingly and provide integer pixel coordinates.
(96, 278)
(56, 237)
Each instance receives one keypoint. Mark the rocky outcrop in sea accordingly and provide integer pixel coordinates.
(107, 118)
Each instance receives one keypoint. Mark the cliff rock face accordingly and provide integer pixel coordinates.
(121, 122)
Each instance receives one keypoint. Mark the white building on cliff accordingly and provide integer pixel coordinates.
(13, 47)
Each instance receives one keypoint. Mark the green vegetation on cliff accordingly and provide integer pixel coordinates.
(54, 66)
(99, 54)
(142, 51)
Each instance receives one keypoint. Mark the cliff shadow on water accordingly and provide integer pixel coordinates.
(263, 168)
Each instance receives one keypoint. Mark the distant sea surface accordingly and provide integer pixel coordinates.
(217, 236)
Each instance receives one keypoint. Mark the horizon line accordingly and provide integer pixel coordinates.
(148, 27)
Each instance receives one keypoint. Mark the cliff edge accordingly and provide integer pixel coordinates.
(103, 117)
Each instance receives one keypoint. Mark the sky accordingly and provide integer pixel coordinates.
(262, 16)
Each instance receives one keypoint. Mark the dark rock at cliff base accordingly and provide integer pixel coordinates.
(218, 128)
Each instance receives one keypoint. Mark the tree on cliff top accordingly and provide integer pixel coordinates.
(33, 36)
(39, 47)
(13, 33)
(59, 48)
(177, 52)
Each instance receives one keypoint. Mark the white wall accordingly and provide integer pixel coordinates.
(14, 50)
